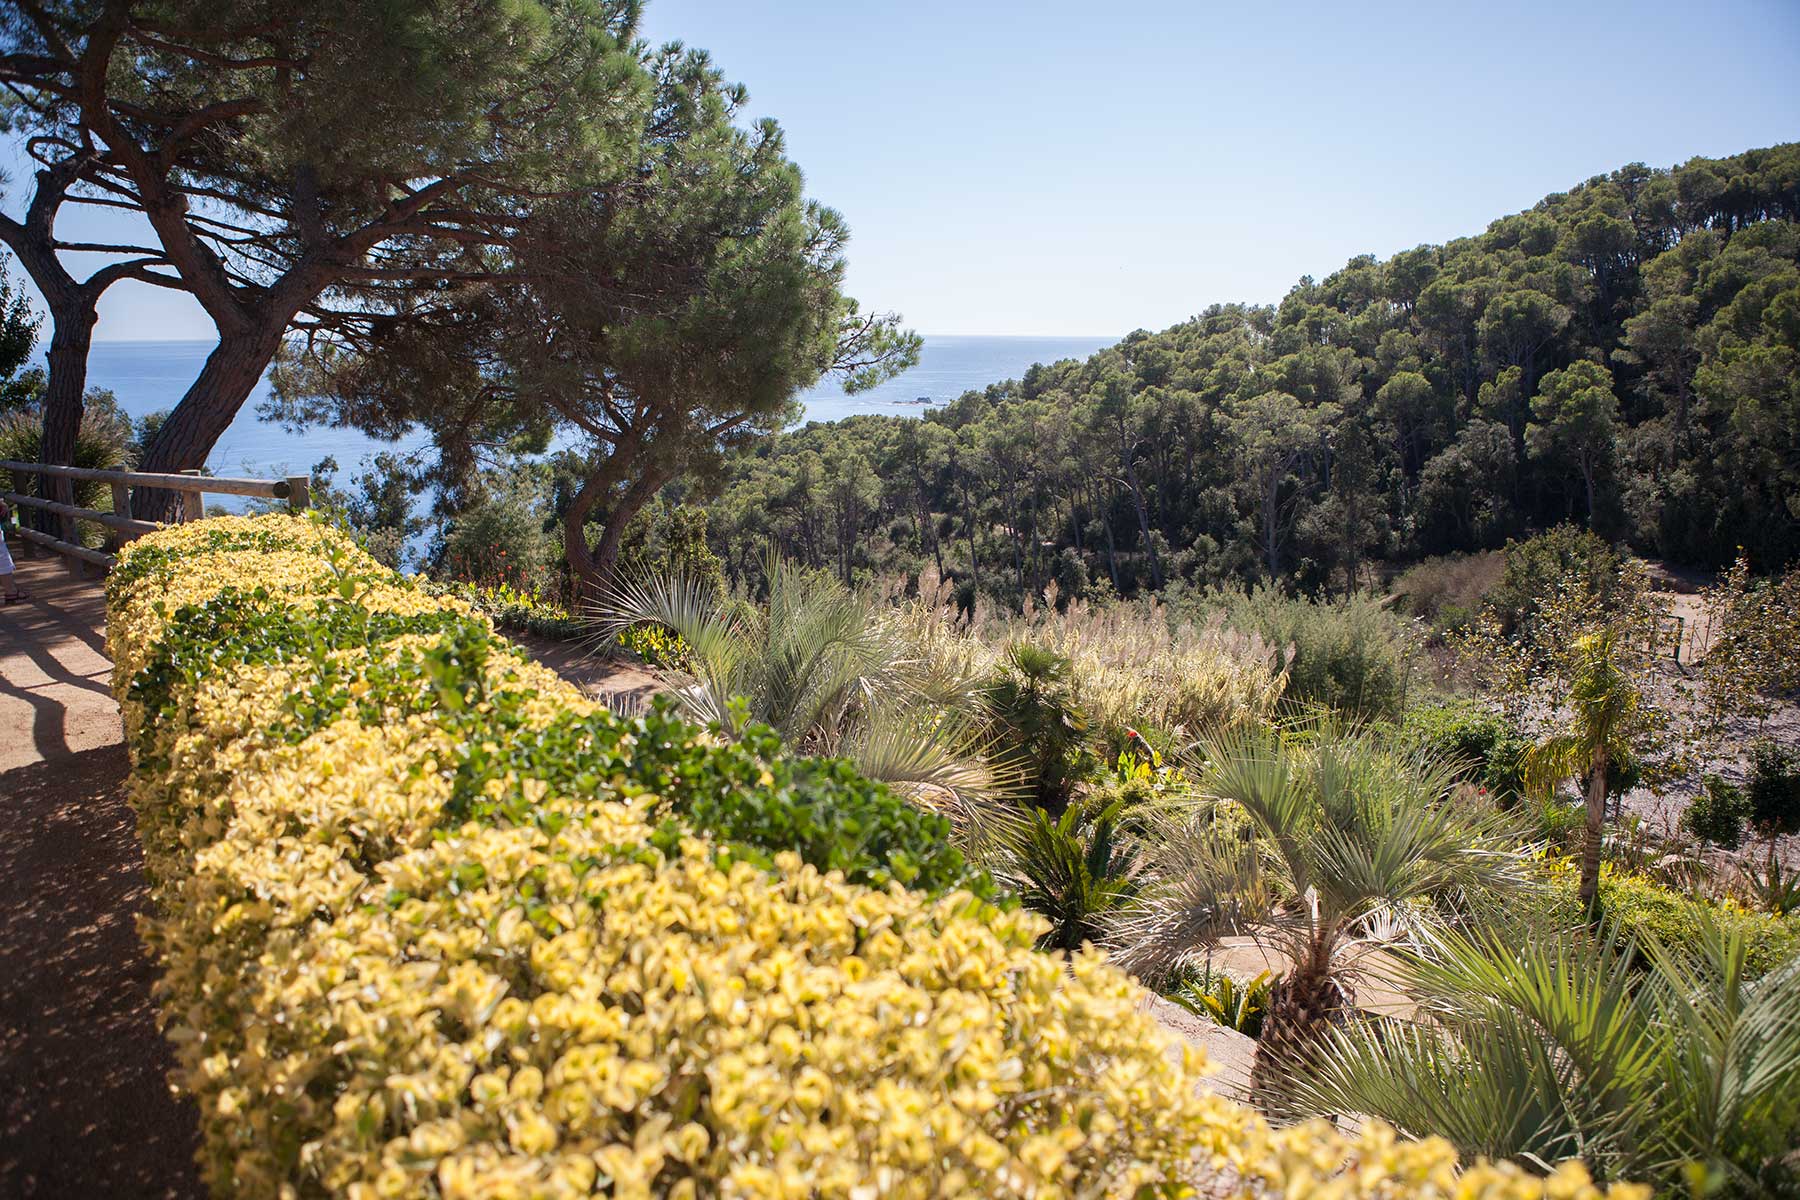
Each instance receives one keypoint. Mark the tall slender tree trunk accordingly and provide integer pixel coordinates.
(1112, 546)
(1589, 892)
(969, 529)
(1143, 516)
(1271, 528)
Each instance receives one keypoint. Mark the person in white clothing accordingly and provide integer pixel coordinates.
(8, 583)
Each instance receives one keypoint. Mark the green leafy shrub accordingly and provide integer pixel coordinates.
(1488, 749)
(1350, 655)
(1718, 813)
(1537, 566)
(751, 794)
(1774, 789)
(1641, 908)
(501, 536)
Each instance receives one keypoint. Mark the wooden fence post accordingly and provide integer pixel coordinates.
(64, 492)
(299, 492)
(192, 506)
(121, 496)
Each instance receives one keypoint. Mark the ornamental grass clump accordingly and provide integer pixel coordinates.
(432, 924)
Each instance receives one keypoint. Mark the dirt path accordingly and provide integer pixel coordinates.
(84, 1106)
(625, 685)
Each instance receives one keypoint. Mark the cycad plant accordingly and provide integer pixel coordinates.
(1673, 1069)
(827, 669)
(1075, 869)
(1349, 846)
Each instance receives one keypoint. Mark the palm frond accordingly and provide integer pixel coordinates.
(1207, 884)
(1567, 1047)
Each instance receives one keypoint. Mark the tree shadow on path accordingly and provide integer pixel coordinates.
(85, 1108)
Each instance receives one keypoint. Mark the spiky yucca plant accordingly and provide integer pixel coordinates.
(1672, 1069)
(1351, 846)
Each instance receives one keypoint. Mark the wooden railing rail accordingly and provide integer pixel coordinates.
(191, 486)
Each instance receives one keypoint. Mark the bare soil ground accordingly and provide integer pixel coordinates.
(1678, 590)
(621, 683)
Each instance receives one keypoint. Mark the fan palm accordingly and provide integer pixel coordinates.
(1569, 1047)
(830, 671)
(1350, 847)
(1603, 705)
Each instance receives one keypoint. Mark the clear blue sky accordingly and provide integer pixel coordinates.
(1054, 168)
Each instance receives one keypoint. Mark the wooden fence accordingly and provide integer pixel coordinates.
(191, 486)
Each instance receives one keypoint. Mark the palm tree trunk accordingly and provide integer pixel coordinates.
(1302, 1009)
(1589, 892)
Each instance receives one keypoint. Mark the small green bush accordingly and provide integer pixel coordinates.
(1642, 908)
(1718, 813)
(1536, 566)
(1350, 655)
(1488, 749)
(1774, 791)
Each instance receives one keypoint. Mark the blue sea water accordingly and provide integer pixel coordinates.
(147, 376)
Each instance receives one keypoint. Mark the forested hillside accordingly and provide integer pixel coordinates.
(1625, 355)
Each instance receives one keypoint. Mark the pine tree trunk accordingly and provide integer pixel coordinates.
(65, 391)
(70, 340)
(212, 401)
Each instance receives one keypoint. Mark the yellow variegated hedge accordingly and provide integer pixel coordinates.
(433, 924)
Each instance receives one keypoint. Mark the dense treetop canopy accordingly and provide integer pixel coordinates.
(1625, 355)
